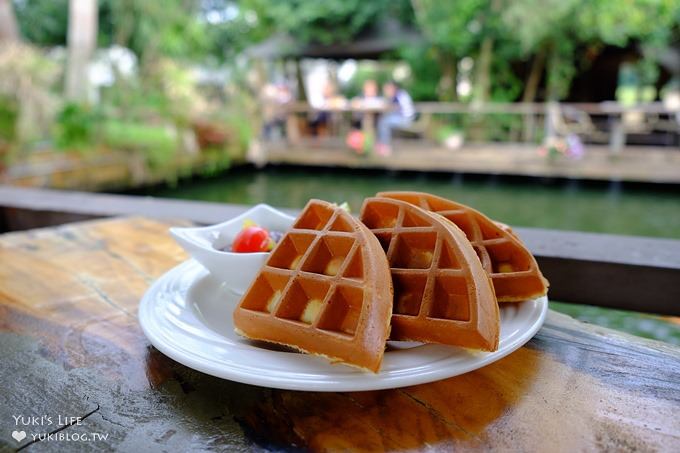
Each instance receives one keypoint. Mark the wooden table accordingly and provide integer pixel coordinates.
(70, 346)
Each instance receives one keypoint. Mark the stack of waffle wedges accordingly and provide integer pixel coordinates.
(414, 266)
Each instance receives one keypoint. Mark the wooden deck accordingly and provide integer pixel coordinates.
(632, 164)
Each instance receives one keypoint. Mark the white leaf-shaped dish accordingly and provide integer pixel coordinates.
(236, 270)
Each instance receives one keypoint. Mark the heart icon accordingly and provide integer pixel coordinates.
(19, 435)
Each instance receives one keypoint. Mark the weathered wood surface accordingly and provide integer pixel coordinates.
(70, 345)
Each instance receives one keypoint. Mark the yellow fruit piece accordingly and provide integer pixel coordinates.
(504, 268)
(273, 301)
(333, 266)
(346, 207)
(296, 262)
(311, 311)
(421, 259)
(248, 223)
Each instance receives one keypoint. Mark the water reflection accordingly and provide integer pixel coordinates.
(570, 205)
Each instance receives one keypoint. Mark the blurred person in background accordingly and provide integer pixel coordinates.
(370, 99)
(401, 115)
(274, 99)
(321, 119)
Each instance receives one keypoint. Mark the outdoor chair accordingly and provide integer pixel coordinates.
(419, 128)
(569, 120)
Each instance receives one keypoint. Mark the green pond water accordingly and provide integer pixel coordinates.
(571, 205)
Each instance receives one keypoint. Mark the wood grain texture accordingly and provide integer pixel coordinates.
(70, 344)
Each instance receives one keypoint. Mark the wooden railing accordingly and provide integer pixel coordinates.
(625, 272)
(593, 108)
(558, 119)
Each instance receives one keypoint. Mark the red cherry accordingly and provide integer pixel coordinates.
(251, 239)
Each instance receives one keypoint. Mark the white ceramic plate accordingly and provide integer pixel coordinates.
(187, 315)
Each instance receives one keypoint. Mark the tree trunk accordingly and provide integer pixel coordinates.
(9, 31)
(300, 80)
(125, 14)
(530, 90)
(446, 90)
(483, 74)
(534, 79)
(481, 92)
(82, 40)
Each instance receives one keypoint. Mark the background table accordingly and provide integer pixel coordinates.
(70, 345)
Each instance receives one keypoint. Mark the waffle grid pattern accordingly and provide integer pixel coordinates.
(513, 270)
(429, 282)
(501, 257)
(314, 277)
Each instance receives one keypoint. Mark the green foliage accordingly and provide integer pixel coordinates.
(26, 81)
(43, 22)
(216, 161)
(168, 28)
(318, 21)
(9, 113)
(455, 28)
(242, 129)
(441, 133)
(506, 86)
(564, 26)
(76, 127)
(501, 128)
(174, 87)
(156, 142)
(425, 69)
(150, 28)
(167, 92)
(521, 28)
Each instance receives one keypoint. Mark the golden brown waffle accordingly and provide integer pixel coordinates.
(441, 292)
(325, 289)
(512, 268)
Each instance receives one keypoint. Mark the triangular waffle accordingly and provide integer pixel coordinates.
(325, 289)
(512, 268)
(441, 292)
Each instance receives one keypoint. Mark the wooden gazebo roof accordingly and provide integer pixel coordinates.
(385, 37)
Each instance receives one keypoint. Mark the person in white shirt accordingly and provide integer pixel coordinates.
(402, 115)
(370, 99)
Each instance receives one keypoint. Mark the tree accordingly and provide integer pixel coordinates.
(82, 40)
(548, 33)
(153, 29)
(469, 28)
(43, 22)
(319, 22)
(8, 23)
(553, 30)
